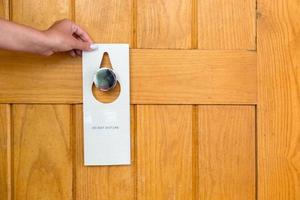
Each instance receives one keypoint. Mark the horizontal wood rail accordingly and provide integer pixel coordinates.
(209, 77)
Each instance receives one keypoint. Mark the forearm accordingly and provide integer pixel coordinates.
(62, 36)
(18, 37)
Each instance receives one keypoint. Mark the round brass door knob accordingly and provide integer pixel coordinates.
(105, 79)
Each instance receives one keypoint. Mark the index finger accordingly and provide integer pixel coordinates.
(82, 34)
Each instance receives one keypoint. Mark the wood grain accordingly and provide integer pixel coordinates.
(164, 24)
(164, 152)
(227, 24)
(5, 152)
(157, 77)
(42, 153)
(47, 160)
(102, 182)
(4, 9)
(40, 13)
(106, 21)
(279, 99)
(226, 152)
(38, 78)
(106, 96)
(193, 77)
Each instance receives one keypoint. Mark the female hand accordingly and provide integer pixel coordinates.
(65, 35)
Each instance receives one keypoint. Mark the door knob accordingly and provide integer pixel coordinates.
(105, 79)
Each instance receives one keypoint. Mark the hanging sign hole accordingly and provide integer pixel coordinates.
(106, 97)
(106, 88)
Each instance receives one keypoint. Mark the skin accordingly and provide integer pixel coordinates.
(62, 36)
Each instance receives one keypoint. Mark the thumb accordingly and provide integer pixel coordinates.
(81, 45)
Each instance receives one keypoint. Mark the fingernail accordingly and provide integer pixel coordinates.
(93, 46)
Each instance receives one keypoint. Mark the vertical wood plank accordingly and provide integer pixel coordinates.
(4, 9)
(106, 21)
(102, 182)
(279, 99)
(40, 13)
(226, 152)
(226, 24)
(164, 152)
(42, 155)
(5, 159)
(164, 24)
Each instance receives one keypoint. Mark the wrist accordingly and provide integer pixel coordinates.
(44, 44)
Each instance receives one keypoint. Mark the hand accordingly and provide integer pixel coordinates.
(66, 36)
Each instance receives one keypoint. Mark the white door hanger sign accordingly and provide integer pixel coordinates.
(106, 125)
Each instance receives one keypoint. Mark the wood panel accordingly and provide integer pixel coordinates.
(38, 78)
(5, 151)
(106, 21)
(40, 13)
(164, 152)
(157, 77)
(279, 102)
(105, 182)
(227, 24)
(4, 9)
(42, 152)
(226, 152)
(164, 24)
(193, 77)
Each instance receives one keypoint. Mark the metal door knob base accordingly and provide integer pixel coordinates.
(105, 79)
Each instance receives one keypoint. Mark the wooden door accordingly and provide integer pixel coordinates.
(214, 94)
